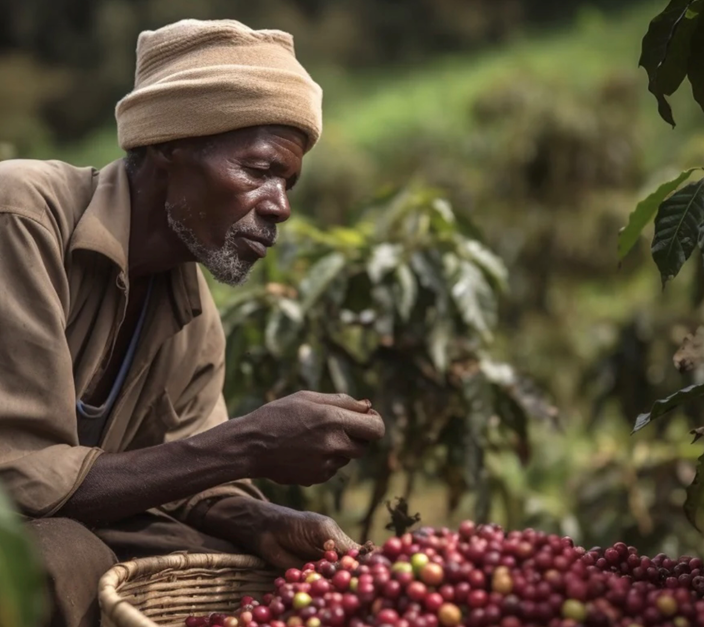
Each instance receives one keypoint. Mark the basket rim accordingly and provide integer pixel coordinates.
(114, 607)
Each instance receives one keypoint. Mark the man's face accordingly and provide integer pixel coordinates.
(226, 195)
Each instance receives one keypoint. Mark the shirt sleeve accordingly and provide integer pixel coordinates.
(41, 462)
(202, 406)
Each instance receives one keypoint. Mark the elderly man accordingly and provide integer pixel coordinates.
(114, 436)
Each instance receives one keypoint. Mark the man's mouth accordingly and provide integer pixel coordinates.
(257, 245)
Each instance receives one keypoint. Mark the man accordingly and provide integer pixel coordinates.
(114, 437)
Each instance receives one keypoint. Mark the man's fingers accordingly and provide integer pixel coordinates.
(364, 427)
(343, 542)
(354, 450)
(277, 555)
(334, 464)
(343, 401)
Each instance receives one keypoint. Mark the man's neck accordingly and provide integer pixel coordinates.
(153, 247)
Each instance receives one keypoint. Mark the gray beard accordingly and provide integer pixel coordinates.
(223, 263)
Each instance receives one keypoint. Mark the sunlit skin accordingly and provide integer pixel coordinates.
(236, 180)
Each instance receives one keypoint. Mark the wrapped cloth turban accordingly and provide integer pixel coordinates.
(196, 78)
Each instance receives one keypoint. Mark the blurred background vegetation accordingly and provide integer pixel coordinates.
(530, 119)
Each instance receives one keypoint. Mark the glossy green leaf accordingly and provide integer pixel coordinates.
(310, 365)
(238, 315)
(385, 310)
(22, 600)
(292, 309)
(346, 237)
(384, 259)
(406, 289)
(429, 275)
(281, 331)
(477, 393)
(645, 212)
(319, 277)
(665, 405)
(491, 263)
(439, 341)
(235, 383)
(512, 414)
(342, 375)
(444, 208)
(695, 69)
(695, 497)
(442, 220)
(666, 51)
(677, 229)
(474, 298)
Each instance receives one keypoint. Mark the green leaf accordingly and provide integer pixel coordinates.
(347, 238)
(695, 71)
(492, 264)
(512, 414)
(236, 349)
(341, 375)
(385, 308)
(666, 51)
(292, 309)
(665, 405)
(310, 364)
(22, 600)
(406, 290)
(677, 227)
(319, 277)
(429, 276)
(439, 342)
(443, 219)
(695, 496)
(645, 212)
(385, 258)
(281, 330)
(474, 297)
(444, 208)
(477, 393)
(237, 316)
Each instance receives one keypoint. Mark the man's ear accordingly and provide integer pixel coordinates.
(165, 156)
(162, 155)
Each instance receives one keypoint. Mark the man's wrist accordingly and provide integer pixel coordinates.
(198, 514)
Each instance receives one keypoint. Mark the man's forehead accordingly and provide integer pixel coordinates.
(263, 139)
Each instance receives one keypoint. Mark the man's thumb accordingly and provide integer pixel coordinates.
(343, 542)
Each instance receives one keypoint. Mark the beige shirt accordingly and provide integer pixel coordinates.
(64, 234)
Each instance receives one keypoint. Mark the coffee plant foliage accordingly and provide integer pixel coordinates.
(21, 590)
(672, 52)
(400, 308)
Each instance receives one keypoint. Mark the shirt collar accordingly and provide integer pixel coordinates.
(104, 228)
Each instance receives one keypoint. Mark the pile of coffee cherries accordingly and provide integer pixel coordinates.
(479, 576)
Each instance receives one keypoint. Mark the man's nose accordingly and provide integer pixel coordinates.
(275, 207)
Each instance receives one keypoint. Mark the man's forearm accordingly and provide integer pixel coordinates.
(120, 485)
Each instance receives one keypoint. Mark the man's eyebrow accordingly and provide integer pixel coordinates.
(277, 163)
(293, 180)
(281, 166)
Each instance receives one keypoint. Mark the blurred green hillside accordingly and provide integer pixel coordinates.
(545, 140)
(64, 63)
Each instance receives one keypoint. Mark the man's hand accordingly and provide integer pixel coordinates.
(302, 439)
(307, 437)
(283, 537)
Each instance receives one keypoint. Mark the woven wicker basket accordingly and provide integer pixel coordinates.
(165, 590)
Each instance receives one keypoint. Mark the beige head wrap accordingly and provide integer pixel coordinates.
(196, 78)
